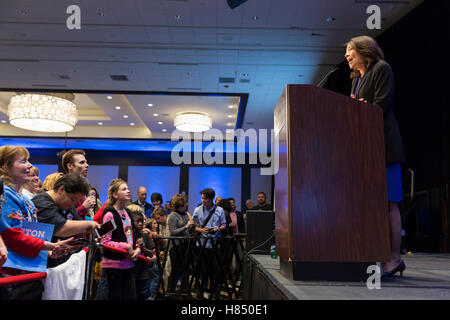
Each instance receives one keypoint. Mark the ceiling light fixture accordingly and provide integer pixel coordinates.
(231, 107)
(125, 116)
(132, 124)
(45, 112)
(160, 122)
(108, 97)
(193, 122)
(117, 107)
(155, 114)
(150, 105)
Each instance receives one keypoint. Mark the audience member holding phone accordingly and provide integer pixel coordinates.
(119, 270)
(57, 207)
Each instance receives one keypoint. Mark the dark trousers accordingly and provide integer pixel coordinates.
(177, 260)
(208, 267)
(24, 291)
(121, 284)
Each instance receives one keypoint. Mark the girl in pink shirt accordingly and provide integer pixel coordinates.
(119, 269)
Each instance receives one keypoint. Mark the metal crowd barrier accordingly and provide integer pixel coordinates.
(200, 264)
(93, 247)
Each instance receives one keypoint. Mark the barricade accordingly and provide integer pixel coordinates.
(199, 264)
(211, 265)
(18, 277)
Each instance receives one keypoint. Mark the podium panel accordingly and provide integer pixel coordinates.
(330, 191)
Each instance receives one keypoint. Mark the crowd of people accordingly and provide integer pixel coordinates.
(69, 203)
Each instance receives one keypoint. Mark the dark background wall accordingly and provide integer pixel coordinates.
(417, 48)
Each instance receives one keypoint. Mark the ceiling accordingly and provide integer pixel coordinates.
(179, 55)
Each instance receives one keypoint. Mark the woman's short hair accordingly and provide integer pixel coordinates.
(113, 188)
(8, 155)
(50, 180)
(136, 212)
(134, 208)
(159, 212)
(178, 201)
(156, 197)
(369, 49)
(73, 183)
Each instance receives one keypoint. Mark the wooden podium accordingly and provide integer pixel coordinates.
(331, 207)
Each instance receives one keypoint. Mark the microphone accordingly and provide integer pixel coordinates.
(323, 81)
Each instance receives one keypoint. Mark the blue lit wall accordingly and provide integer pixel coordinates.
(260, 183)
(226, 182)
(45, 170)
(100, 177)
(162, 179)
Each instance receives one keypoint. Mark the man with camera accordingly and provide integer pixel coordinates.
(209, 219)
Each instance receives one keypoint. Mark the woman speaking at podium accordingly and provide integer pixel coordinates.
(373, 82)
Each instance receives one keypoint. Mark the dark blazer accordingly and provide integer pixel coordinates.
(148, 210)
(240, 222)
(377, 87)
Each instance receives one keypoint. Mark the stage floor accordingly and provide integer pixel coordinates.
(426, 276)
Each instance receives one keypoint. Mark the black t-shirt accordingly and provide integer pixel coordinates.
(265, 207)
(49, 212)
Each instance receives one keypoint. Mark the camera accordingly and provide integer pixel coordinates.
(212, 231)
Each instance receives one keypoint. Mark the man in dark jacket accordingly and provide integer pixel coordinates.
(147, 207)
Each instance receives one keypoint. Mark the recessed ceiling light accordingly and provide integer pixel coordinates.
(3, 121)
(117, 107)
(230, 116)
(125, 116)
(108, 97)
(132, 124)
(150, 105)
(231, 107)
(100, 123)
(155, 114)
(160, 122)
(164, 130)
(229, 124)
